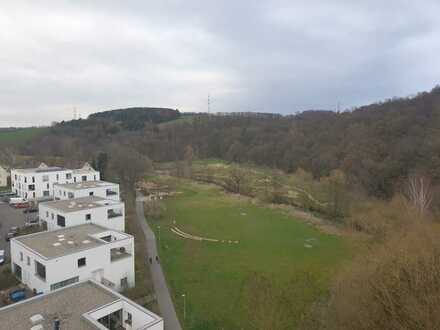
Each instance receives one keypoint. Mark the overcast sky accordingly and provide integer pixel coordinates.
(249, 55)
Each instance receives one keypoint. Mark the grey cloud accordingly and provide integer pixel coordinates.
(275, 56)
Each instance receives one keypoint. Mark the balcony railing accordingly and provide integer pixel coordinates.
(114, 214)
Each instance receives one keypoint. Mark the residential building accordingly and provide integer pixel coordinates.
(91, 209)
(37, 183)
(47, 261)
(82, 306)
(102, 189)
(4, 175)
(85, 173)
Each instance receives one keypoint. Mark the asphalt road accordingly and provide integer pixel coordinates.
(166, 306)
(11, 217)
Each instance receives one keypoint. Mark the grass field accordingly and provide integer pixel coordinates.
(20, 135)
(220, 280)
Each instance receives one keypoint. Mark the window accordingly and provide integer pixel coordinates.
(64, 193)
(61, 284)
(33, 179)
(31, 187)
(74, 179)
(47, 214)
(88, 217)
(84, 178)
(45, 178)
(33, 194)
(81, 262)
(52, 216)
(25, 179)
(28, 261)
(21, 256)
(58, 177)
(47, 186)
(129, 319)
(46, 193)
(70, 195)
(61, 221)
(40, 270)
(68, 176)
(91, 193)
(94, 177)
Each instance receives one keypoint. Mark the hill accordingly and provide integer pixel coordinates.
(134, 118)
(376, 145)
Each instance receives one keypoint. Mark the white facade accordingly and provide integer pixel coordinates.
(85, 305)
(4, 174)
(67, 213)
(47, 261)
(101, 189)
(37, 183)
(86, 173)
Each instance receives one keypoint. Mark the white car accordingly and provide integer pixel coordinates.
(2, 257)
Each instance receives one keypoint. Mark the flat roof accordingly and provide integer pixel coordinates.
(58, 243)
(68, 304)
(79, 204)
(86, 185)
(40, 169)
(84, 170)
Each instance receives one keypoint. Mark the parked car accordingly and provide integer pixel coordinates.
(22, 205)
(16, 200)
(17, 295)
(32, 222)
(31, 210)
(2, 257)
(11, 233)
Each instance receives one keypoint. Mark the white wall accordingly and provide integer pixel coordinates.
(66, 267)
(63, 193)
(98, 217)
(3, 177)
(87, 176)
(43, 189)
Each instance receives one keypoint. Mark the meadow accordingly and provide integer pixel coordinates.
(271, 277)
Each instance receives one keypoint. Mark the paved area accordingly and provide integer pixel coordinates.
(11, 217)
(166, 306)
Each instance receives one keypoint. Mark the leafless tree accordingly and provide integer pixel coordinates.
(419, 192)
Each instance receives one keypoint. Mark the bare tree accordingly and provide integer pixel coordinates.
(236, 180)
(419, 192)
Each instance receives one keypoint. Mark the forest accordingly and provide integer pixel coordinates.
(377, 146)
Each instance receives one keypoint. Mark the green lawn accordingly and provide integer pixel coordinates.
(20, 135)
(227, 284)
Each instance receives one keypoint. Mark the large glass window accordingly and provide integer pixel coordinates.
(61, 284)
(61, 221)
(40, 270)
(81, 262)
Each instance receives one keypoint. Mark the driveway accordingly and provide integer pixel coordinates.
(166, 306)
(11, 217)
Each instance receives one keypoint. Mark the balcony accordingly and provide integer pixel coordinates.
(114, 214)
(118, 254)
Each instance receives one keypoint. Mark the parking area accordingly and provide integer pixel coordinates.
(11, 217)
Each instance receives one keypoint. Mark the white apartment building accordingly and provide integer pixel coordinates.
(50, 260)
(85, 173)
(60, 214)
(102, 189)
(4, 175)
(37, 183)
(83, 306)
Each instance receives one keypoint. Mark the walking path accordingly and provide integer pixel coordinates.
(163, 295)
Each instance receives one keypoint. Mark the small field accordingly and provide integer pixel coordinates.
(278, 268)
(20, 135)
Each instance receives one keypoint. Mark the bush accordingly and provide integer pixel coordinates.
(395, 286)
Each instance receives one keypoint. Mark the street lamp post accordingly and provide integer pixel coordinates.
(184, 306)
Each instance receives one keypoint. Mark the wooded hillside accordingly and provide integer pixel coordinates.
(376, 145)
